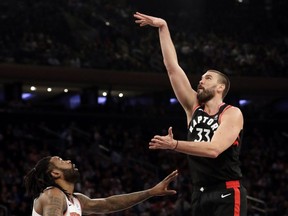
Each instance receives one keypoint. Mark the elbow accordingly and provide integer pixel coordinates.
(168, 67)
(214, 153)
(171, 67)
(171, 70)
(214, 149)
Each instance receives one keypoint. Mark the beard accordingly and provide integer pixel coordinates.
(205, 95)
(71, 175)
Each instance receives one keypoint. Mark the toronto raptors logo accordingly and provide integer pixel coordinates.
(202, 128)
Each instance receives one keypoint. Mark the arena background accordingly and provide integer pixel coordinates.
(109, 94)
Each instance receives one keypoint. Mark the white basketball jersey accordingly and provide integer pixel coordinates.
(73, 208)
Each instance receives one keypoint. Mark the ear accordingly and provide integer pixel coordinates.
(221, 87)
(55, 174)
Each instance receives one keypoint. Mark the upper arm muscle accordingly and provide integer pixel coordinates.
(229, 129)
(53, 202)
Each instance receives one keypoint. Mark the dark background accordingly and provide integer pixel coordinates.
(91, 47)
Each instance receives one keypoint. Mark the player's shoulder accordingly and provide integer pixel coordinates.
(231, 110)
(231, 107)
(51, 192)
(81, 197)
(51, 195)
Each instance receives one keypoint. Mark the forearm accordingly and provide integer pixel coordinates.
(178, 79)
(202, 149)
(167, 48)
(113, 203)
(124, 201)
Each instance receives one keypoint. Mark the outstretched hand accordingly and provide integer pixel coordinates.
(163, 142)
(143, 20)
(161, 189)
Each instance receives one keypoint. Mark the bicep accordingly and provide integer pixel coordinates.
(53, 205)
(229, 129)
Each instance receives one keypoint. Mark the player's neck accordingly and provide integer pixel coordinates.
(212, 106)
(68, 187)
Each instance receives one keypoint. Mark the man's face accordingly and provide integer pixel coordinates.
(207, 87)
(69, 170)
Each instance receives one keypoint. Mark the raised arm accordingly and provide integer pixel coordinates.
(179, 81)
(124, 201)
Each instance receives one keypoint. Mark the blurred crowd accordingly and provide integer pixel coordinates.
(112, 155)
(101, 34)
(109, 145)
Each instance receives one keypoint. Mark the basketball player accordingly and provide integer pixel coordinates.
(51, 182)
(214, 134)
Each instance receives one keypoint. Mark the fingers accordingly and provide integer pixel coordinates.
(142, 22)
(157, 142)
(162, 142)
(154, 145)
(170, 132)
(172, 176)
(143, 19)
(137, 16)
(141, 15)
(171, 192)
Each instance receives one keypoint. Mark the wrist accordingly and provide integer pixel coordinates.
(163, 25)
(175, 145)
(151, 192)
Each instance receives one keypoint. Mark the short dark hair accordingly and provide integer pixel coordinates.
(223, 79)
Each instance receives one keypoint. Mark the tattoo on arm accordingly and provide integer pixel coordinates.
(54, 207)
(120, 202)
(113, 203)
